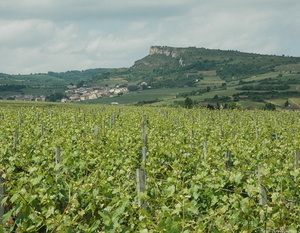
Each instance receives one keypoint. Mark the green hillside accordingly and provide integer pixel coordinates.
(207, 75)
(43, 83)
(168, 75)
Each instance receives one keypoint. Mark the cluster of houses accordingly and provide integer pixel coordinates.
(25, 97)
(74, 94)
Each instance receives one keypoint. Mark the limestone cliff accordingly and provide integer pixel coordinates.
(168, 51)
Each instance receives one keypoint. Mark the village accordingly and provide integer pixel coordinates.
(74, 94)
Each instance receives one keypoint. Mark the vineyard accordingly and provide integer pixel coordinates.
(129, 169)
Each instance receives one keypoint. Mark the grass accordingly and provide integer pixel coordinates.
(134, 97)
(211, 80)
(289, 67)
(247, 103)
(261, 77)
(37, 78)
(294, 101)
(35, 91)
(112, 82)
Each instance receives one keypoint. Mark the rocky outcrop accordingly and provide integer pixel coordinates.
(168, 51)
(164, 50)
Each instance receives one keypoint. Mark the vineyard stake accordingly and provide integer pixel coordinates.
(228, 161)
(296, 162)
(112, 120)
(58, 155)
(145, 140)
(234, 134)
(256, 132)
(2, 193)
(96, 130)
(144, 149)
(103, 127)
(141, 187)
(262, 189)
(42, 128)
(205, 148)
(192, 134)
(221, 130)
(16, 139)
(144, 155)
(84, 120)
(20, 122)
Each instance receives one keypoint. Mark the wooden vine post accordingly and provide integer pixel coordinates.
(192, 134)
(296, 163)
(84, 118)
(144, 148)
(58, 155)
(96, 129)
(20, 118)
(145, 141)
(2, 193)
(262, 190)
(141, 187)
(229, 162)
(112, 120)
(256, 128)
(205, 149)
(16, 139)
(141, 175)
(42, 129)
(96, 132)
(103, 127)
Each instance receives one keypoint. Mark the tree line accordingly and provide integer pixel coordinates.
(11, 87)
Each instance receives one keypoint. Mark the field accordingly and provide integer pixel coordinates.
(88, 168)
(135, 97)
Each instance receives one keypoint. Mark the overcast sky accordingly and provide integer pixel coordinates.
(59, 35)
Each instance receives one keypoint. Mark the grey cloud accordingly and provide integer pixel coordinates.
(91, 10)
(59, 35)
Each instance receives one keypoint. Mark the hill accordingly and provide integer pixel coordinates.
(210, 75)
(42, 83)
(169, 75)
(228, 65)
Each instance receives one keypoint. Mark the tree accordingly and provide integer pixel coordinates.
(231, 105)
(133, 88)
(80, 84)
(269, 106)
(55, 97)
(188, 102)
(286, 104)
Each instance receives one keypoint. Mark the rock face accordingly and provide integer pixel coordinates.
(164, 50)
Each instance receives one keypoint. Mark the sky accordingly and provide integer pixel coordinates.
(37, 36)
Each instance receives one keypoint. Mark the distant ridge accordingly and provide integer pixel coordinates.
(227, 63)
